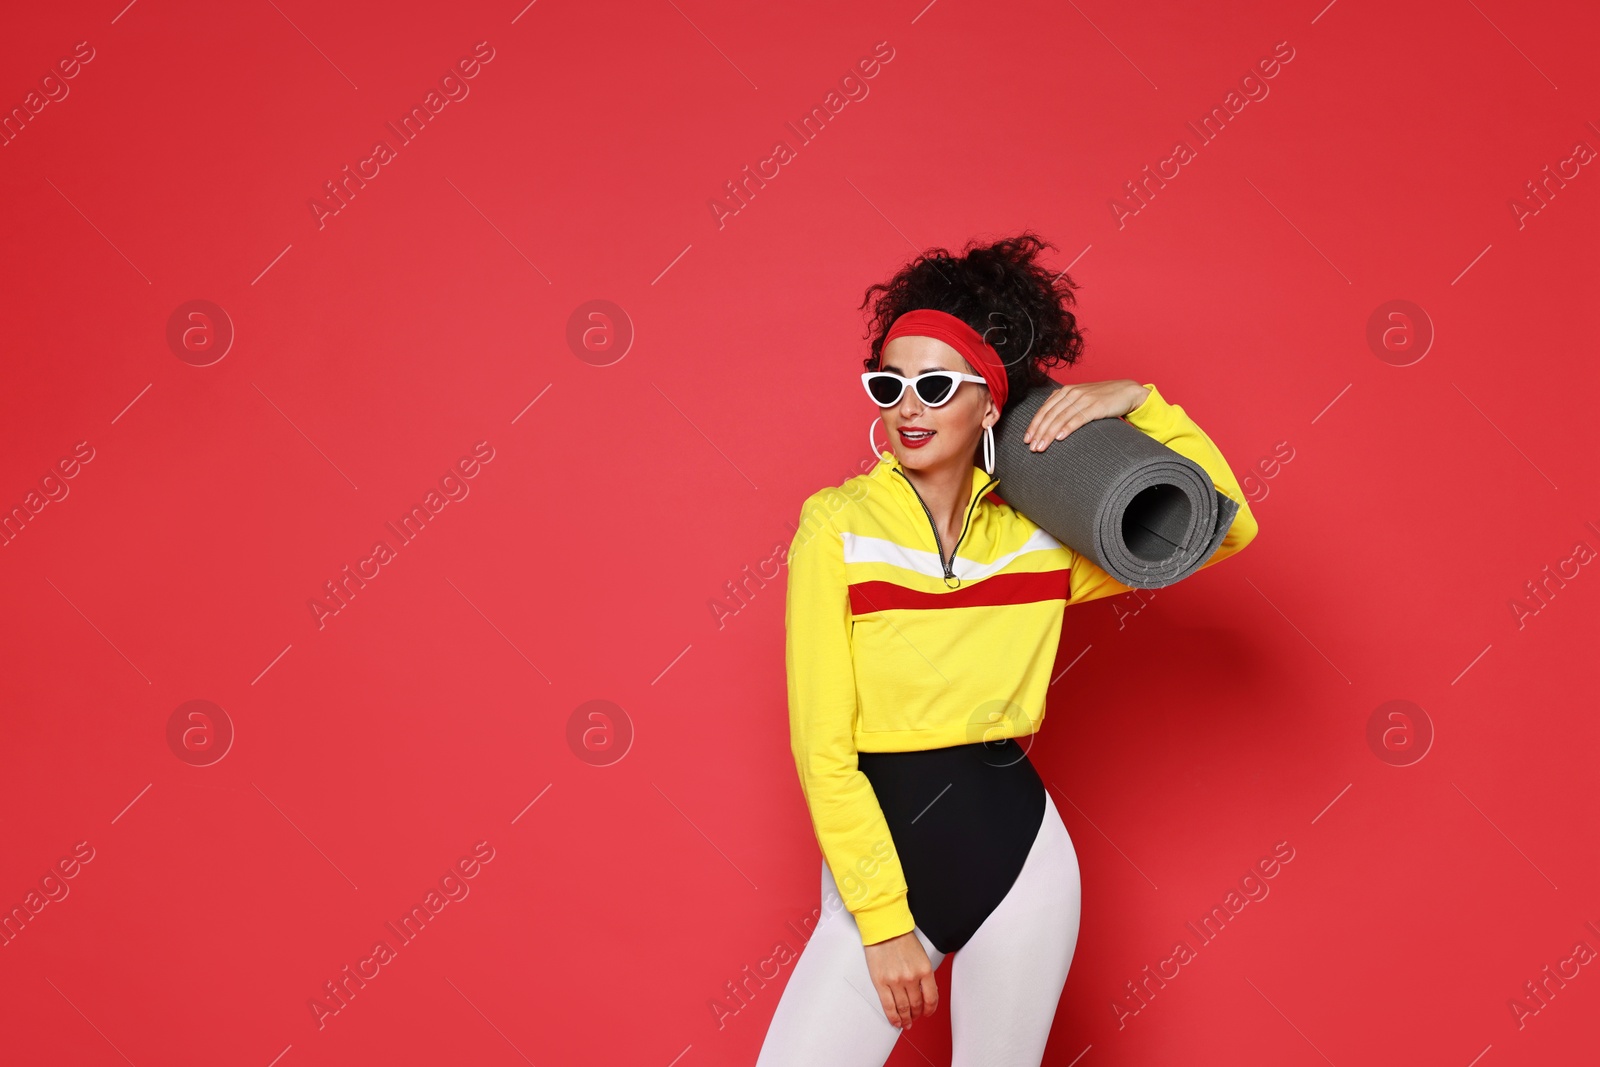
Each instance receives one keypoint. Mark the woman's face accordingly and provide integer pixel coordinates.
(956, 425)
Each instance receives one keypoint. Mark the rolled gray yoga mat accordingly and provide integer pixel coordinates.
(1147, 515)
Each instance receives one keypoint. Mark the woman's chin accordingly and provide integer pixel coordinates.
(928, 457)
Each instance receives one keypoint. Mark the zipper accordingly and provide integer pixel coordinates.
(949, 568)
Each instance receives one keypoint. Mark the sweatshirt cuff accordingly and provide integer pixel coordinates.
(1152, 416)
(883, 921)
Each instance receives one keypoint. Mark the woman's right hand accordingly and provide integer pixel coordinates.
(903, 977)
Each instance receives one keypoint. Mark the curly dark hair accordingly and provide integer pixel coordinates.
(1000, 290)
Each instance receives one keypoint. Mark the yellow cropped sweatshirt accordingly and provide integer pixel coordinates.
(888, 650)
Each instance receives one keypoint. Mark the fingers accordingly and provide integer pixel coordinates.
(910, 1007)
(1057, 417)
(908, 1000)
(886, 1000)
(930, 993)
(917, 989)
(903, 976)
(896, 1002)
(1051, 404)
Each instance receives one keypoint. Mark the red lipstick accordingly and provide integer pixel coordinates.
(917, 441)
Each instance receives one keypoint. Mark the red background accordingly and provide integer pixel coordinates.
(1403, 510)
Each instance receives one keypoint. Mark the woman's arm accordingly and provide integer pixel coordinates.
(1171, 425)
(849, 824)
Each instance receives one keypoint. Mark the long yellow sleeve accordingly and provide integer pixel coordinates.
(849, 824)
(1171, 425)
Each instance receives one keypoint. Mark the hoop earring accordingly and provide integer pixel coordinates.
(988, 449)
(871, 442)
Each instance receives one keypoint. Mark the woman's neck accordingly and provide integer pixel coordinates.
(946, 490)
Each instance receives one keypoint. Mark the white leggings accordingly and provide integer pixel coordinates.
(1005, 981)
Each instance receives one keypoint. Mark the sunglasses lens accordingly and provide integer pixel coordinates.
(885, 389)
(934, 388)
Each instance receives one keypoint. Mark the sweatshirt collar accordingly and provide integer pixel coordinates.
(889, 470)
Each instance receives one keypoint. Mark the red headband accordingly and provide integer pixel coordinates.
(942, 326)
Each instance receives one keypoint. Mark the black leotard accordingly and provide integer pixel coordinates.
(963, 820)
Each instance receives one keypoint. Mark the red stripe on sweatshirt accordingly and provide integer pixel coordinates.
(1016, 588)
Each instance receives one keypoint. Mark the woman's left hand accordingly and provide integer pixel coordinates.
(1073, 405)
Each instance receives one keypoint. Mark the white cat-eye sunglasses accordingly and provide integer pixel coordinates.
(934, 388)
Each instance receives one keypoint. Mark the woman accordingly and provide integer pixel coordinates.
(923, 619)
